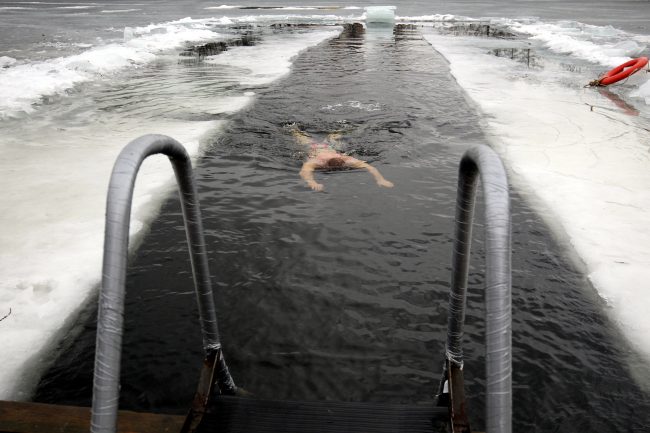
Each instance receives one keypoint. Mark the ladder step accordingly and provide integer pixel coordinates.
(247, 415)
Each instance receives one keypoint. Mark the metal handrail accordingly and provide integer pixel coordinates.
(111, 299)
(484, 162)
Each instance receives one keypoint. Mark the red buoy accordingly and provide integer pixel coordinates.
(622, 71)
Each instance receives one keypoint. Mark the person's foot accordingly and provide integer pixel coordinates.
(335, 136)
(291, 126)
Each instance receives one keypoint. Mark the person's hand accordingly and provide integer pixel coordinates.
(385, 183)
(316, 186)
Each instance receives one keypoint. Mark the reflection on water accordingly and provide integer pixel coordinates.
(342, 295)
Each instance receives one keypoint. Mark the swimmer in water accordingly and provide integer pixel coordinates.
(324, 156)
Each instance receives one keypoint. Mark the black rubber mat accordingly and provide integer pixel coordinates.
(234, 414)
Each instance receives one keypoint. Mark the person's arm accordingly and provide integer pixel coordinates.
(357, 163)
(307, 174)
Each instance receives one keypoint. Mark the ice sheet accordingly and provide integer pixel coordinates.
(585, 160)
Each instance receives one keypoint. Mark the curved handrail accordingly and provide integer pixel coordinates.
(484, 161)
(111, 299)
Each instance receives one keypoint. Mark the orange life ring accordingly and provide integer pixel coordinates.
(622, 71)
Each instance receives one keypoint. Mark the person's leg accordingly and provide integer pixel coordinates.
(334, 140)
(301, 137)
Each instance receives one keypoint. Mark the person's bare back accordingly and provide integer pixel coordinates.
(322, 156)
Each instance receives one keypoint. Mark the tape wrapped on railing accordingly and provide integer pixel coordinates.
(482, 162)
(116, 240)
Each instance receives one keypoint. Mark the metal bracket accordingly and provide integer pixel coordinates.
(457, 404)
(452, 395)
(207, 385)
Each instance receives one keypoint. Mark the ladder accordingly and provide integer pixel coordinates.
(218, 405)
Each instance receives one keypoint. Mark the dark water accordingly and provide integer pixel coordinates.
(342, 295)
